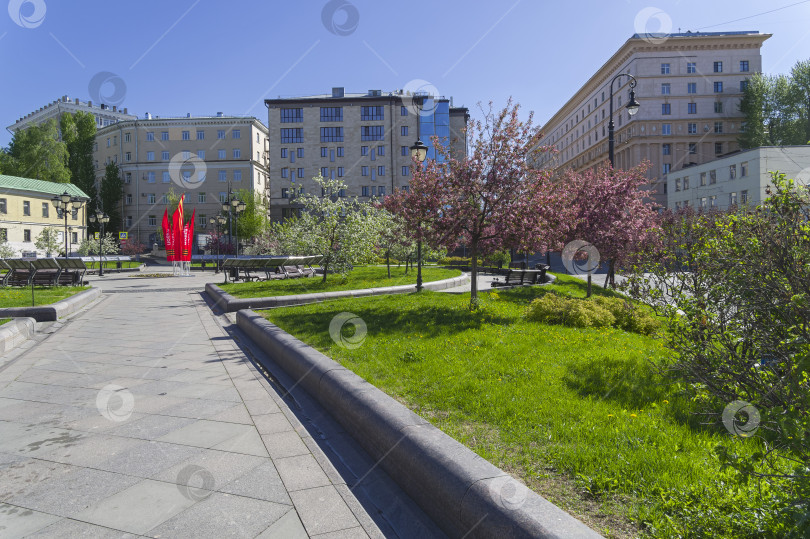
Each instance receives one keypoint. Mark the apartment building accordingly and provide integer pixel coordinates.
(736, 179)
(204, 157)
(362, 139)
(26, 209)
(689, 86)
(104, 114)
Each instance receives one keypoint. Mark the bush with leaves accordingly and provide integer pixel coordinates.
(48, 241)
(89, 246)
(6, 250)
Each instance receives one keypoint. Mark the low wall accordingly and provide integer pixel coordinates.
(51, 313)
(229, 304)
(466, 495)
(15, 332)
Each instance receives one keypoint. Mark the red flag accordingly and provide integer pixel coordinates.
(188, 236)
(168, 237)
(178, 230)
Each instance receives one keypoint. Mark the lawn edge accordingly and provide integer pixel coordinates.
(55, 311)
(229, 304)
(465, 494)
(15, 332)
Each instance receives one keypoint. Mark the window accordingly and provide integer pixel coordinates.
(381, 170)
(220, 133)
(718, 67)
(150, 198)
(666, 168)
(300, 172)
(164, 135)
(713, 201)
(150, 156)
(325, 172)
(691, 67)
(743, 85)
(691, 108)
(364, 191)
(128, 199)
(732, 199)
(164, 156)
(665, 88)
(300, 152)
(237, 153)
(186, 135)
(718, 87)
(236, 133)
(201, 198)
(74, 237)
(403, 150)
(331, 114)
(364, 171)
(372, 114)
(685, 183)
(26, 235)
(718, 127)
(380, 150)
(665, 69)
(164, 199)
(744, 196)
(712, 177)
(692, 128)
(743, 66)
(718, 148)
(342, 193)
(666, 109)
(150, 135)
(289, 135)
(340, 151)
(3, 206)
(221, 154)
(666, 149)
(340, 172)
(290, 116)
(403, 111)
(74, 214)
(692, 148)
(743, 169)
(285, 192)
(372, 132)
(732, 172)
(702, 202)
(284, 172)
(718, 107)
(666, 129)
(202, 221)
(186, 155)
(403, 131)
(45, 206)
(128, 177)
(405, 170)
(166, 177)
(152, 220)
(129, 221)
(128, 156)
(677, 184)
(331, 134)
(702, 179)
(237, 175)
(381, 190)
(284, 153)
(364, 150)
(691, 87)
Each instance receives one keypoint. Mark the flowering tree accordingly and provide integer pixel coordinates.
(492, 198)
(611, 213)
(48, 241)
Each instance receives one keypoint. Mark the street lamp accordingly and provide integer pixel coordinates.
(102, 219)
(419, 153)
(217, 222)
(66, 203)
(632, 108)
(233, 203)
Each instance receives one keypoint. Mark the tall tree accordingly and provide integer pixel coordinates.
(110, 195)
(79, 135)
(253, 220)
(37, 152)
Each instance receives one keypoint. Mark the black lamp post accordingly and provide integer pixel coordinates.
(632, 108)
(217, 222)
(66, 203)
(237, 206)
(102, 219)
(419, 153)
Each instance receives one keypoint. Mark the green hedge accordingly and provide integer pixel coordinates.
(594, 312)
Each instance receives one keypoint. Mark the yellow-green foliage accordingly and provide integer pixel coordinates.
(594, 312)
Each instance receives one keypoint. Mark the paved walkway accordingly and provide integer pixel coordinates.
(143, 416)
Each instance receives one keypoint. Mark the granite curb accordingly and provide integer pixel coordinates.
(51, 313)
(229, 304)
(15, 332)
(466, 495)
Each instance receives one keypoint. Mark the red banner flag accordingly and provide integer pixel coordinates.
(188, 237)
(168, 237)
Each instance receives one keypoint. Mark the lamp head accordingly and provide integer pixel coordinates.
(65, 197)
(633, 105)
(241, 206)
(419, 151)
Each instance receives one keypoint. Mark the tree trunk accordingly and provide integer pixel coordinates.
(474, 276)
(588, 294)
(325, 271)
(388, 261)
(418, 266)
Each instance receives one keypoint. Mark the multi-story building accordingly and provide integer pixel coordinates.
(104, 114)
(737, 179)
(689, 86)
(205, 157)
(26, 210)
(362, 139)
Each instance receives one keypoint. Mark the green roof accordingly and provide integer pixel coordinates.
(39, 186)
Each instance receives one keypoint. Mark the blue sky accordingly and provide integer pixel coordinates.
(172, 57)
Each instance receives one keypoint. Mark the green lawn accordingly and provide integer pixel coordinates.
(113, 265)
(43, 295)
(578, 414)
(359, 277)
(4, 320)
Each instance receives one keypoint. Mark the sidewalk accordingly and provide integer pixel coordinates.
(143, 416)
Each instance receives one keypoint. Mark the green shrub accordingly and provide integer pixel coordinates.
(549, 309)
(588, 314)
(629, 316)
(593, 312)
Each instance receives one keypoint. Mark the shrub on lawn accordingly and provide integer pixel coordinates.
(629, 317)
(593, 312)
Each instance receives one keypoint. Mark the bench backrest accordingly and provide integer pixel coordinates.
(18, 264)
(45, 264)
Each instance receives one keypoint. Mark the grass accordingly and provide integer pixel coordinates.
(580, 415)
(359, 277)
(4, 320)
(43, 295)
(113, 265)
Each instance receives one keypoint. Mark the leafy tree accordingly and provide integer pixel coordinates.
(6, 251)
(110, 194)
(253, 221)
(37, 152)
(89, 246)
(48, 241)
(79, 135)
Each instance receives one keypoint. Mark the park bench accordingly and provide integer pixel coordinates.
(46, 272)
(73, 271)
(19, 272)
(541, 278)
(5, 271)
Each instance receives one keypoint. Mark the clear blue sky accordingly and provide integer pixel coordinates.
(204, 56)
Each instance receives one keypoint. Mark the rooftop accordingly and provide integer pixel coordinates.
(39, 186)
(694, 34)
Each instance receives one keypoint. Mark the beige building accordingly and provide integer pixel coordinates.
(737, 179)
(689, 87)
(26, 210)
(362, 139)
(104, 114)
(204, 157)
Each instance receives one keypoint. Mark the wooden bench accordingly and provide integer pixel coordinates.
(19, 272)
(73, 271)
(46, 272)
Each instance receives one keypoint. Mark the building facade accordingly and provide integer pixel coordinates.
(26, 210)
(689, 86)
(736, 179)
(206, 158)
(104, 114)
(362, 139)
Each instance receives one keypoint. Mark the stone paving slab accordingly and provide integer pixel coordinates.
(142, 416)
